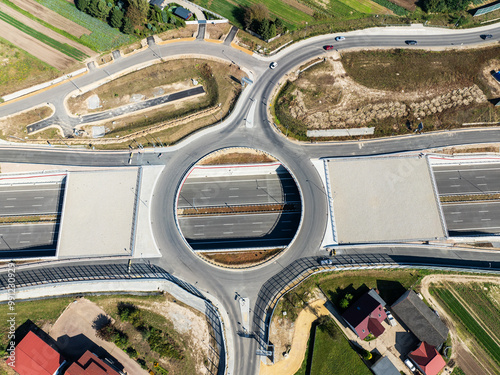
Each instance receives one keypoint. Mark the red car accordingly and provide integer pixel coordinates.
(328, 47)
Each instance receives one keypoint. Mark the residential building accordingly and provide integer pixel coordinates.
(90, 364)
(183, 13)
(427, 359)
(384, 366)
(365, 316)
(420, 319)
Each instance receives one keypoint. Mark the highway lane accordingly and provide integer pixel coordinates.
(472, 218)
(23, 236)
(238, 190)
(177, 258)
(240, 231)
(467, 179)
(30, 199)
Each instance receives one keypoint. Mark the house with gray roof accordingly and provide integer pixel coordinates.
(384, 366)
(420, 319)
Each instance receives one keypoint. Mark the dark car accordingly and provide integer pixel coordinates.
(411, 42)
(486, 36)
(328, 47)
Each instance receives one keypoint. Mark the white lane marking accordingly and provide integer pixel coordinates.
(26, 233)
(199, 225)
(229, 224)
(204, 198)
(484, 211)
(480, 176)
(36, 205)
(262, 195)
(257, 222)
(485, 219)
(482, 184)
(38, 197)
(455, 213)
(24, 241)
(256, 231)
(457, 221)
(454, 178)
(227, 232)
(234, 188)
(454, 185)
(198, 234)
(206, 189)
(11, 199)
(8, 206)
(233, 196)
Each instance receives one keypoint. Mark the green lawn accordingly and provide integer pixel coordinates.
(64, 48)
(334, 355)
(469, 322)
(39, 312)
(363, 6)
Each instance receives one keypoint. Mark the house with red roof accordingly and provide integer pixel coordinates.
(427, 359)
(365, 316)
(33, 356)
(90, 364)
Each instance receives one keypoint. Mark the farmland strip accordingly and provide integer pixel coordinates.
(64, 48)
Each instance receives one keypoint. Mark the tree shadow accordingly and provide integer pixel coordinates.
(239, 14)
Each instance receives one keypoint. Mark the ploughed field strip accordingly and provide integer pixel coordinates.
(29, 219)
(470, 197)
(239, 212)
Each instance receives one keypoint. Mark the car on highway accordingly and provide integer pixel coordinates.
(409, 364)
(391, 319)
(486, 36)
(325, 262)
(273, 65)
(339, 38)
(328, 47)
(411, 42)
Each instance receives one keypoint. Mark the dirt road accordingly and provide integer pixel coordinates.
(468, 355)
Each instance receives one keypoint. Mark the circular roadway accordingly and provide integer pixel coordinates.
(177, 259)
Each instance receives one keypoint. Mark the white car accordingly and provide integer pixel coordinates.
(391, 319)
(339, 38)
(273, 65)
(409, 364)
(326, 262)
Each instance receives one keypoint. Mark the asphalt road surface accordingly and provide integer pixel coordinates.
(177, 258)
(26, 236)
(39, 199)
(472, 218)
(259, 230)
(467, 179)
(238, 190)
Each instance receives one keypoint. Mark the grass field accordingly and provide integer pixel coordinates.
(103, 36)
(403, 69)
(472, 326)
(365, 6)
(19, 69)
(64, 48)
(332, 354)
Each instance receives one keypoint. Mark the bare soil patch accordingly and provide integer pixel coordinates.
(240, 258)
(237, 156)
(218, 31)
(49, 16)
(185, 32)
(467, 354)
(44, 30)
(470, 149)
(104, 59)
(36, 48)
(302, 7)
(131, 48)
(15, 125)
(407, 4)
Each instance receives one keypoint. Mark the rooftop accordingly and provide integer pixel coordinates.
(383, 199)
(90, 364)
(420, 319)
(384, 366)
(428, 359)
(365, 315)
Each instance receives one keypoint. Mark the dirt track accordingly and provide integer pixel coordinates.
(470, 361)
(36, 48)
(38, 27)
(51, 17)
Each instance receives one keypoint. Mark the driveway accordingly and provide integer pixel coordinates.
(74, 335)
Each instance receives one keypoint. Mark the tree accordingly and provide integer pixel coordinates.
(344, 303)
(142, 6)
(255, 12)
(127, 27)
(135, 16)
(264, 29)
(116, 19)
(279, 26)
(367, 355)
(272, 30)
(164, 16)
(82, 5)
